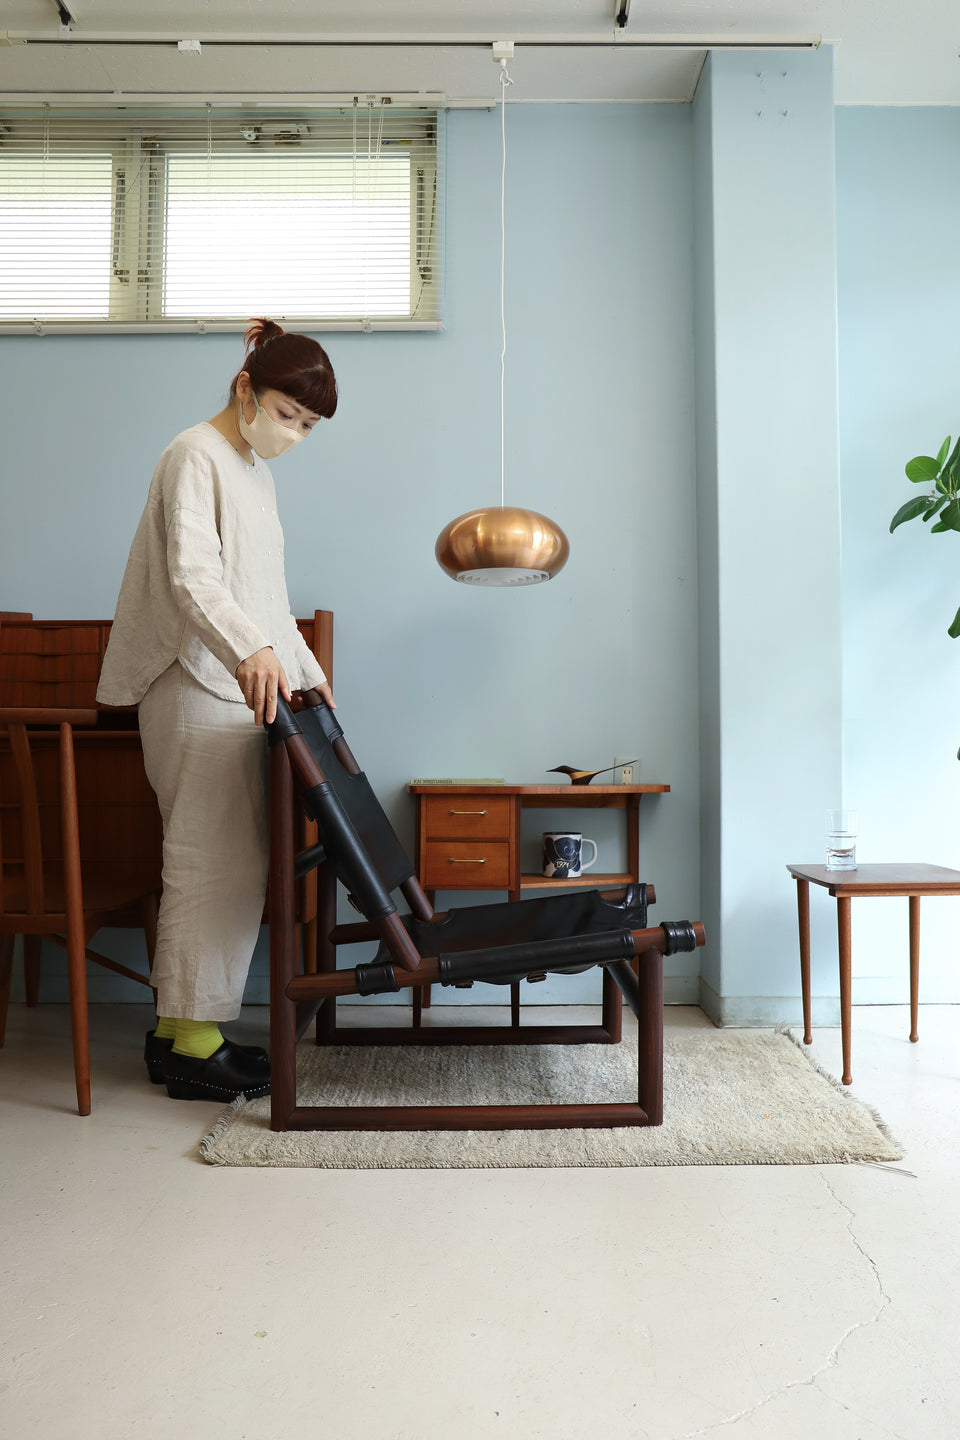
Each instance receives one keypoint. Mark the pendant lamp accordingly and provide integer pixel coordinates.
(502, 544)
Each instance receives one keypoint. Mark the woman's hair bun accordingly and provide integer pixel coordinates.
(258, 332)
(296, 365)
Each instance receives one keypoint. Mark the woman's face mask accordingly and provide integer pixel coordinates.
(264, 434)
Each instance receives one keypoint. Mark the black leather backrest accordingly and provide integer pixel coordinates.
(321, 730)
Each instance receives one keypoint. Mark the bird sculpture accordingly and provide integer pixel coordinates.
(583, 777)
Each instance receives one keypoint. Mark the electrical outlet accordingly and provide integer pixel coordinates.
(625, 771)
(626, 774)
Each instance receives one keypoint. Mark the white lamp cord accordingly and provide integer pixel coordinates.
(505, 80)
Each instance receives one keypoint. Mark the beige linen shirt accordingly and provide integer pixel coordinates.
(204, 583)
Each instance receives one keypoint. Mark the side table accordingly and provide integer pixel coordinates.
(914, 881)
(468, 838)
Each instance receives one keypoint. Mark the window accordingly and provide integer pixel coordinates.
(154, 218)
(40, 202)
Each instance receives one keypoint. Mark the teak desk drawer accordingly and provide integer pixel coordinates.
(453, 816)
(467, 865)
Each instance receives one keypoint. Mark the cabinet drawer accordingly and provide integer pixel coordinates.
(466, 816)
(467, 865)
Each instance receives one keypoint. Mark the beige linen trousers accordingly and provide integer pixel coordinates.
(207, 761)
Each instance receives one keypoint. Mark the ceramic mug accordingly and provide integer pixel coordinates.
(563, 854)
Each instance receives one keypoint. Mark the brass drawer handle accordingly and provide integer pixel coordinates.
(467, 812)
(451, 861)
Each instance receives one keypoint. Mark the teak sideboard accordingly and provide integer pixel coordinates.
(468, 836)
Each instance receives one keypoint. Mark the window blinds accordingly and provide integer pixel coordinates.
(149, 217)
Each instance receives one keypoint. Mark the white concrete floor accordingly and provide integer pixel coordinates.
(147, 1295)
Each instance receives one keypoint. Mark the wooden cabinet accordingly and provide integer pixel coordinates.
(468, 837)
(467, 841)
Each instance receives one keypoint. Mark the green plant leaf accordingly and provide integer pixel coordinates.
(910, 511)
(943, 452)
(950, 468)
(922, 469)
(950, 516)
(954, 629)
(937, 505)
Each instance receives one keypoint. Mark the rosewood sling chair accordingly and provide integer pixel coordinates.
(502, 943)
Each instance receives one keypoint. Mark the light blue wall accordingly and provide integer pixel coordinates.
(768, 490)
(899, 278)
(433, 677)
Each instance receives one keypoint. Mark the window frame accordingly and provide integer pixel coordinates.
(139, 148)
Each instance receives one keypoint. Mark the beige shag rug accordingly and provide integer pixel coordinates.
(730, 1098)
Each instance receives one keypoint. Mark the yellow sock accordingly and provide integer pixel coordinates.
(166, 1028)
(199, 1038)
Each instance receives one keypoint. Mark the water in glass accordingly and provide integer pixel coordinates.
(841, 852)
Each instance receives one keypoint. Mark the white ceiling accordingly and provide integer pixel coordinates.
(887, 51)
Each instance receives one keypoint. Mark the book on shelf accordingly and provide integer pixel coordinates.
(469, 780)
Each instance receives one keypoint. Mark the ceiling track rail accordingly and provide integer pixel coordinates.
(257, 99)
(613, 41)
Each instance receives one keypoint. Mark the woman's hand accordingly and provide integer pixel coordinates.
(261, 677)
(327, 694)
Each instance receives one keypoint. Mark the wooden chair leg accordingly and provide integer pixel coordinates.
(310, 941)
(515, 1006)
(611, 1015)
(283, 952)
(6, 971)
(79, 930)
(149, 910)
(650, 1036)
(326, 952)
(31, 969)
(79, 1015)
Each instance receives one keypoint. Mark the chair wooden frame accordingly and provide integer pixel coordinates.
(297, 997)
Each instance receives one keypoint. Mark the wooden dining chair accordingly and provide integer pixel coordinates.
(50, 668)
(44, 890)
(47, 663)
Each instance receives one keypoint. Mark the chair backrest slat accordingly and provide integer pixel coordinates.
(318, 633)
(29, 813)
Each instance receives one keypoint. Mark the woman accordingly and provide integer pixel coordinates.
(203, 625)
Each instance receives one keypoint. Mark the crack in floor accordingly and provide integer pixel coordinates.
(833, 1358)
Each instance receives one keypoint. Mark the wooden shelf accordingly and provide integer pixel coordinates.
(590, 880)
(554, 792)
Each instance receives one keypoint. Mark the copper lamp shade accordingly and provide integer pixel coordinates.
(502, 545)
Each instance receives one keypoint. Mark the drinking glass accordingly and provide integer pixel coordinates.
(841, 840)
